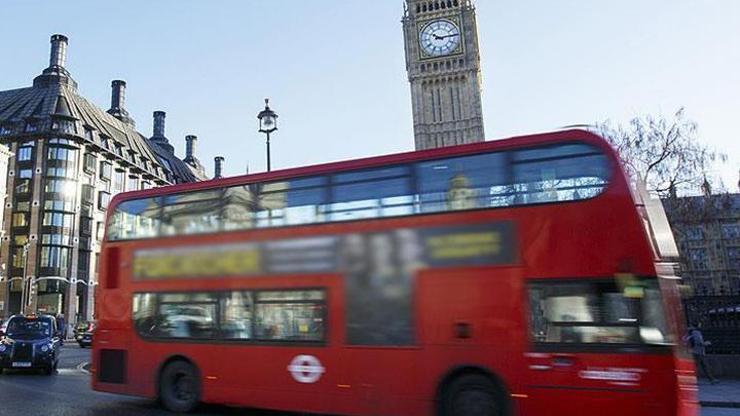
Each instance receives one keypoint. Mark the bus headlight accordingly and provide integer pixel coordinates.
(44, 348)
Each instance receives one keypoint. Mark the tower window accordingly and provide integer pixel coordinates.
(436, 5)
(443, 5)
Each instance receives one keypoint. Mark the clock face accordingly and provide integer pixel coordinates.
(440, 37)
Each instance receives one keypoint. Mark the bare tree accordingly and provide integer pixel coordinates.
(664, 153)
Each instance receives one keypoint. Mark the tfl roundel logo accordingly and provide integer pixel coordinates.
(306, 369)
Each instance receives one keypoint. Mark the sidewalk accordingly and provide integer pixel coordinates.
(726, 393)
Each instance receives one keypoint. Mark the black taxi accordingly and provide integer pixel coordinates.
(30, 342)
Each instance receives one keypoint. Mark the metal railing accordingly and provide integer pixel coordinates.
(719, 319)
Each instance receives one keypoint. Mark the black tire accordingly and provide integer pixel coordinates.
(473, 395)
(1, 370)
(179, 387)
(49, 370)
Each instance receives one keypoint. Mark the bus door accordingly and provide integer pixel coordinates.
(380, 348)
(471, 317)
(593, 343)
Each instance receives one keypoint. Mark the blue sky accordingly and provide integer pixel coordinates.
(334, 69)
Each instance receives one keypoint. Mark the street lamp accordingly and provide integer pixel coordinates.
(268, 124)
(27, 282)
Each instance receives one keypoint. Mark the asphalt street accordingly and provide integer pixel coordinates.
(68, 393)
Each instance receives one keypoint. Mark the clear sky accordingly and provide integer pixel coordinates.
(334, 69)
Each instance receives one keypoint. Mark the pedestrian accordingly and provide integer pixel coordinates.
(697, 344)
(61, 326)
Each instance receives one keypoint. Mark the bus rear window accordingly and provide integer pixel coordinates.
(554, 173)
(597, 312)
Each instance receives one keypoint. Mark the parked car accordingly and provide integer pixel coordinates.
(30, 342)
(83, 333)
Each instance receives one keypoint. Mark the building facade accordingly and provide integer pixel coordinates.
(707, 233)
(69, 158)
(443, 65)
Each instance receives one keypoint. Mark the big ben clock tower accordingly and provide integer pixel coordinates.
(443, 63)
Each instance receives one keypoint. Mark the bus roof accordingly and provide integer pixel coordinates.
(373, 161)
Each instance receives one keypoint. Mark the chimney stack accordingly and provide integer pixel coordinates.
(118, 94)
(219, 167)
(117, 102)
(55, 73)
(58, 55)
(159, 123)
(190, 142)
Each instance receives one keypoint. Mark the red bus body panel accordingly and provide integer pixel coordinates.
(595, 237)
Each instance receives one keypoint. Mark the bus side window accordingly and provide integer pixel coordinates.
(290, 315)
(558, 173)
(236, 315)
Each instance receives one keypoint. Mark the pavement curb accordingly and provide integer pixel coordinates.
(729, 405)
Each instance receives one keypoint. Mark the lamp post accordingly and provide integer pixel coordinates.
(26, 288)
(268, 124)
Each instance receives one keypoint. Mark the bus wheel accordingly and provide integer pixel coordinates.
(179, 387)
(473, 395)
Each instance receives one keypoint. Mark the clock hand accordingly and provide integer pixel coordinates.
(446, 36)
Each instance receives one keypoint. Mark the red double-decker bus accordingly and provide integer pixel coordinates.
(499, 278)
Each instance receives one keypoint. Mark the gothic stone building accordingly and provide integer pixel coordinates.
(69, 158)
(707, 233)
(443, 64)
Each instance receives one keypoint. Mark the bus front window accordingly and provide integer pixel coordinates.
(598, 312)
